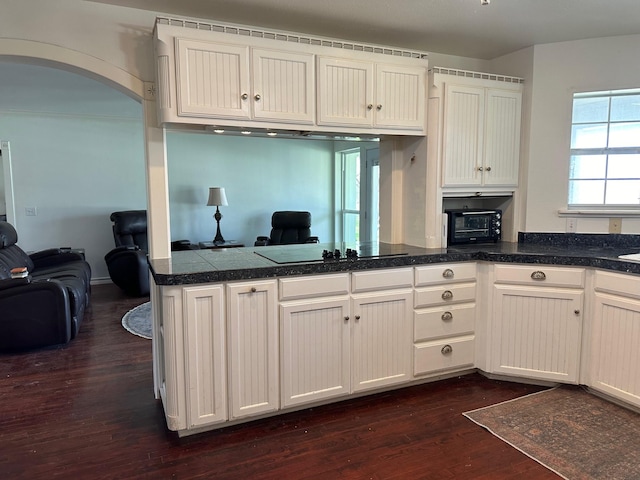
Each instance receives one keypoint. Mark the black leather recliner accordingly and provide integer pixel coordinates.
(288, 227)
(46, 307)
(127, 263)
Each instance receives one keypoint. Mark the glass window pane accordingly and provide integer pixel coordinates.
(588, 166)
(624, 166)
(586, 192)
(589, 136)
(625, 108)
(624, 135)
(351, 227)
(623, 192)
(590, 110)
(352, 181)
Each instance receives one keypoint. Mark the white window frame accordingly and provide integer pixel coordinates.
(603, 208)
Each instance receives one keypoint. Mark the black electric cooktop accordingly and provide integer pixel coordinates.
(328, 252)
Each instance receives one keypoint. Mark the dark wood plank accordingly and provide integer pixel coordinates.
(87, 411)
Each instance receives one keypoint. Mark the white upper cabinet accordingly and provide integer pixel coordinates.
(345, 92)
(235, 77)
(283, 86)
(212, 79)
(218, 80)
(481, 136)
(354, 93)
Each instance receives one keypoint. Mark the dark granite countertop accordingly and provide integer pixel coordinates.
(209, 266)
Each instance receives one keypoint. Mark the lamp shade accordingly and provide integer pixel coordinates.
(217, 196)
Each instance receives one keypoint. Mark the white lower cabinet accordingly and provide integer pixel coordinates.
(381, 329)
(536, 324)
(253, 348)
(444, 318)
(315, 348)
(333, 346)
(615, 336)
(205, 352)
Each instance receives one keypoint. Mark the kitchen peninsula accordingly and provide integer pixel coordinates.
(252, 332)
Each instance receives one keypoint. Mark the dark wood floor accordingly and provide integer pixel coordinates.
(86, 411)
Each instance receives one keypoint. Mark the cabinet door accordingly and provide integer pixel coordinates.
(463, 135)
(345, 92)
(537, 332)
(206, 377)
(283, 86)
(382, 339)
(212, 79)
(502, 138)
(400, 97)
(252, 316)
(315, 348)
(615, 355)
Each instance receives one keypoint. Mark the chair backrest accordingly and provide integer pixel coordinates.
(130, 229)
(11, 255)
(288, 227)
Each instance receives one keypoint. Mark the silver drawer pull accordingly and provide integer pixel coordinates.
(538, 275)
(447, 295)
(446, 316)
(448, 273)
(446, 350)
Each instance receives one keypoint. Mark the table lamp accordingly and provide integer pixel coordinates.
(217, 197)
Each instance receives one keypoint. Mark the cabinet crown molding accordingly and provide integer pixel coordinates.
(248, 31)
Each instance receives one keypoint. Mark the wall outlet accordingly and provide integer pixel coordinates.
(572, 225)
(30, 211)
(615, 225)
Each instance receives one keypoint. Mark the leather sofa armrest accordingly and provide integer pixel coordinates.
(54, 256)
(14, 282)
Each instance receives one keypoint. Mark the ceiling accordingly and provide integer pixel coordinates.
(454, 27)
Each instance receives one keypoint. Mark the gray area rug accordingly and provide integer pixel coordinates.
(575, 434)
(138, 320)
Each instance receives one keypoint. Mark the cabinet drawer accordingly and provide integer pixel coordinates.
(450, 321)
(291, 288)
(446, 354)
(539, 275)
(381, 279)
(444, 295)
(445, 273)
(618, 284)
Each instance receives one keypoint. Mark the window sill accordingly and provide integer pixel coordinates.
(565, 212)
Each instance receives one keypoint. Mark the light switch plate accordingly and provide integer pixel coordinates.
(30, 211)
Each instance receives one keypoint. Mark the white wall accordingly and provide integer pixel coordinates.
(260, 176)
(77, 152)
(559, 70)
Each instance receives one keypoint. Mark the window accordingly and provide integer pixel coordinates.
(605, 149)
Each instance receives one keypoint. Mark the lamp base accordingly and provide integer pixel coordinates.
(218, 216)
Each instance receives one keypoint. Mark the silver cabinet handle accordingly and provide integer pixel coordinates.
(538, 275)
(370, 106)
(448, 273)
(488, 169)
(244, 96)
(379, 107)
(257, 97)
(446, 350)
(447, 295)
(480, 169)
(446, 316)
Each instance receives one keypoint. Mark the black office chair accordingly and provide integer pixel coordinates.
(288, 227)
